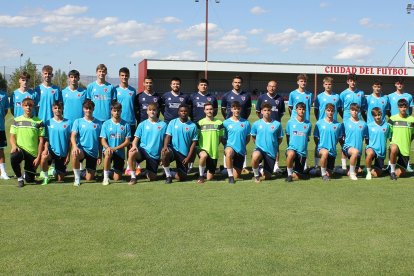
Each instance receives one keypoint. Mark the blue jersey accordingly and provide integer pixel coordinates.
(87, 135)
(72, 102)
(267, 136)
(393, 100)
(277, 103)
(102, 96)
(151, 137)
(323, 99)
(17, 98)
(4, 106)
(328, 134)
(197, 101)
(58, 135)
(355, 133)
(235, 133)
(298, 133)
(349, 97)
(126, 97)
(373, 101)
(243, 98)
(182, 135)
(296, 97)
(142, 100)
(47, 96)
(170, 104)
(115, 134)
(378, 136)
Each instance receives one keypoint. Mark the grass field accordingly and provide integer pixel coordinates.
(308, 227)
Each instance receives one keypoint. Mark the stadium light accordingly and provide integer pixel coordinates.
(410, 7)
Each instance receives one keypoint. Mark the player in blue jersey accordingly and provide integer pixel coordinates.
(47, 93)
(198, 99)
(179, 144)
(171, 100)
(4, 108)
(85, 143)
(22, 93)
(73, 97)
(147, 144)
(376, 149)
(236, 136)
(376, 99)
(356, 132)
(144, 98)
(102, 93)
(115, 136)
(267, 134)
(57, 143)
(327, 133)
(236, 94)
(125, 95)
(300, 95)
(400, 93)
(298, 131)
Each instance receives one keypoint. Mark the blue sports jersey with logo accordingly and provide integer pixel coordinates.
(58, 134)
(4, 106)
(72, 103)
(197, 101)
(171, 103)
(267, 136)
(277, 103)
(299, 133)
(126, 97)
(395, 97)
(183, 134)
(349, 97)
(355, 133)
(115, 134)
(142, 100)
(17, 98)
(382, 102)
(47, 96)
(328, 134)
(243, 98)
(235, 133)
(102, 96)
(151, 137)
(378, 136)
(87, 135)
(323, 99)
(296, 97)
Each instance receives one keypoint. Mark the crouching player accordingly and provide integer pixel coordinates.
(298, 131)
(57, 145)
(147, 144)
(267, 134)
(115, 135)
(326, 135)
(378, 133)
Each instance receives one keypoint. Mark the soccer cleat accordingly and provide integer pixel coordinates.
(4, 176)
(168, 180)
(41, 175)
(369, 176)
(133, 181)
(393, 176)
(326, 178)
(20, 183)
(76, 184)
(409, 169)
(201, 180)
(105, 182)
(257, 179)
(289, 178)
(231, 180)
(353, 176)
(45, 182)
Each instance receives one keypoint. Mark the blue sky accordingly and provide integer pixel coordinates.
(121, 33)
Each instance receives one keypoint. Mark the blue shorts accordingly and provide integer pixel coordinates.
(268, 162)
(152, 164)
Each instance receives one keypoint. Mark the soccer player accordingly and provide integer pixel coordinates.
(4, 108)
(298, 131)
(198, 99)
(115, 135)
(102, 93)
(236, 94)
(179, 144)
(400, 93)
(267, 134)
(236, 136)
(376, 99)
(125, 95)
(376, 149)
(355, 133)
(73, 97)
(326, 135)
(300, 95)
(210, 135)
(57, 144)
(144, 98)
(402, 133)
(147, 144)
(85, 145)
(171, 101)
(47, 94)
(22, 93)
(27, 141)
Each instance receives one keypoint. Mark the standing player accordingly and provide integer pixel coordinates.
(125, 95)
(298, 131)
(236, 136)
(85, 145)
(21, 93)
(355, 133)
(147, 144)
(402, 129)
(102, 93)
(326, 135)
(179, 144)
(4, 107)
(300, 95)
(171, 101)
(210, 135)
(267, 134)
(376, 149)
(73, 97)
(26, 140)
(144, 98)
(198, 99)
(376, 99)
(236, 94)
(115, 135)
(57, 145)
(47, 93)
(400, 94)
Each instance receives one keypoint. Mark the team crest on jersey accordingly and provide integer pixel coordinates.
(27, 97)
(334, 127)
(307, 97)
(159, 127)
(122, 128)
(186, 129)
(65, 126)
(382, 102)
(105, 89)
(53, 92)
(411, 51)
(242, 125)
(383, 130)
(94, 126)
(130, 93)
(243, 98)
(272, 127)
(360, 127)
(304, 127)
(334, 100)
(155, 100)
(78, 95)
(181, 99)
(358, 95)
(209, 99)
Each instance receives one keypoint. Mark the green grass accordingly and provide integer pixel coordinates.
(308, 227)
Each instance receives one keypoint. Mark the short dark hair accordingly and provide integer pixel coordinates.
(203, 81)
(375, 111)
(265, 105)
(176, 79)
(236, 104)
(88, 103)
(116, 105)
(351, 77)
(184, 105)
(25, 100)
(302, 77)
(301, 104)
(74, 73)
(402, 103)
(329, 106)
(24, 75)
(399, 80)
(148, 78)
(124, 70)
(207, 104)
(377, 82)
(238, 77)
(58, 103)
(354, 106)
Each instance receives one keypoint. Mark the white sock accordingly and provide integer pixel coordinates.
(77, 175)
(133, 174)
(167, 171)
(245, 162)
(190, 165)
(127, 168)
(224, 162)
(343, 162)
(80, 166)
(201, 170)
(106, 174)
(306, 166)
(368, 170)
(230, 172)
(138, 166)
(256, 172)
(323, 171)
(351, 169)
(2, 168)
(290, 171)
(20, 178)
(392, 168)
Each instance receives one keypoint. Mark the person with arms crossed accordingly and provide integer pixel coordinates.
(300, 95)
(144, 98)
(73, 97)
(4, 108)
(198, 99)
(400, 93)
(48, 94)
(376, 99)
(21, 93)
(171, 101)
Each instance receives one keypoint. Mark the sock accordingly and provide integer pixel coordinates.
(351, 169)
(290, 171)
(343, 161)
(201, 170)
(167, 171)
(256, 172)
(224, 162)
(133, 174)
(316, 161)
(368, 170)
(127, 168)
(323, 171)
(77, 175)
(190, 165)
(230, 172)
(45, 174)
(392, 168)
(138, 166)
(245, 162)
(106, 174)
(20, 178)
(306, 166)
(80, 166)
(2, 168)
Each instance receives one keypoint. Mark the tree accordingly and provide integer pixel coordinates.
(29, 67)
(3, 83)
(60, 79)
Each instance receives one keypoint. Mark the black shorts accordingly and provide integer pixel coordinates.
(117, 163)
(152, 164)
(331, 162)
(211, 164)
(268, 162)
(378, 161)
(133, 129)
(238, 160)
(3, 139)
(60, 166)
(178, 158)
(345, 151)
(90, 162)
(403, 161)
(299, 163)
